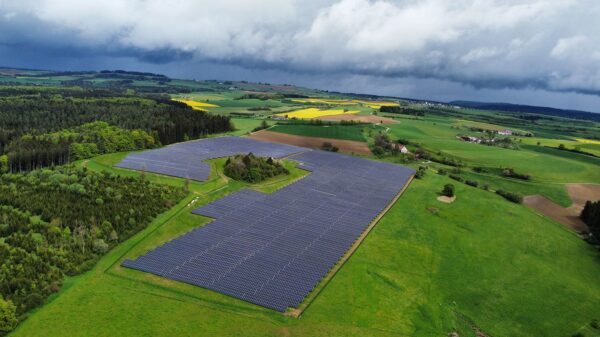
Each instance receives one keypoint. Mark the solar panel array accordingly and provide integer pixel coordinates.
(186, 160)
(273, 249)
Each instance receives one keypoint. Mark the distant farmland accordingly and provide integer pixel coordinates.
(336, 131)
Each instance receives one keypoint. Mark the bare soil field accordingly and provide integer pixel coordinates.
(357, 118)
(579, 193)
(445, 199)
(347, 146)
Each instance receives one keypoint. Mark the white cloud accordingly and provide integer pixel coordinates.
(569, 46)
(481, 42)
(479, 54)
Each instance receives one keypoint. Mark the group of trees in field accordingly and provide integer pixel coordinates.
(402, 110)
(511, 173)
(29, 114)
(590, 215)
(383, 145)
(253, 169)
(56, 222)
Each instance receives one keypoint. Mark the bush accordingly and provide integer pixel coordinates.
(327, 146)
(514, 197)
(473, 183)
(448, 190)
(590, 215)
(447, 161)
(8, 316)
(378, 151)
(508, 172)
(479, 169)
(421, 172)
(457, 178)
(99, 246)
(442, 172)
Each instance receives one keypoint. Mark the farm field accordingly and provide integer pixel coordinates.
(359, 119)
(311, 113)
(370, 104)
(548, 167)
(335, 131)
(346, 146)
(196, 105)
(480, 266)
(424, 288)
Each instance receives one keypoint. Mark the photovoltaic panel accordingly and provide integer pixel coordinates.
(186, 160)
(273, 249)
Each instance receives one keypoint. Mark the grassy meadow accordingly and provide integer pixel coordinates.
(426, 269)
(480, 266)
(335, 131)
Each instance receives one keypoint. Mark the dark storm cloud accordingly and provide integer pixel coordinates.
(485, 44)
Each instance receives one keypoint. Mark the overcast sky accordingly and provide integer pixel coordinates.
(520, 51)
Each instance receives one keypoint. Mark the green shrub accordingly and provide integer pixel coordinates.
(510, 173)
(421, 172)
(514, 197)
(328, 146)
(456, 177)
(473, 183)
(448, 190)
(8, 316)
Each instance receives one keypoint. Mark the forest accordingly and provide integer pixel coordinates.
(57, 219)
(28, 114)
(57, 222)
(82, 142)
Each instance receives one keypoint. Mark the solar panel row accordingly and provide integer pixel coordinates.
(186, 160)
(273, 249)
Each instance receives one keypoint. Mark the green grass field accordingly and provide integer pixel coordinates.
(426, 269)
(550, 168)
(336, 131)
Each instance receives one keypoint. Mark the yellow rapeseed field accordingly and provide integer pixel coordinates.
(588, 141)
(195, 104)
(325, 101)
(378, 104)
(314, 113)
(370, 104)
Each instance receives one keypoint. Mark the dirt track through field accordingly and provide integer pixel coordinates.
(358, 118)
(579, 193)
(347, 146)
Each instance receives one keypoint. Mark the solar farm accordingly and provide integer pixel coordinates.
(269, 249)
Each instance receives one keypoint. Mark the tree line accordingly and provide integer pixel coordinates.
(58, 148)
(37, 111)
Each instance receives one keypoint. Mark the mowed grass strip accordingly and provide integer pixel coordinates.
(335, 131)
